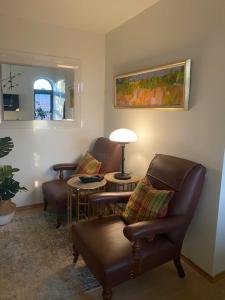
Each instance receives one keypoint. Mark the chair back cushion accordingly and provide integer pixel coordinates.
(108, 153)
(182, 176)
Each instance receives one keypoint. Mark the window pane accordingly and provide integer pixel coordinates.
(42, 106)
(59, 101)
(42, 84)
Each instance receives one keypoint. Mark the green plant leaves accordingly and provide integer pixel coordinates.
(6, 145)
(9, 188)
(7, 171)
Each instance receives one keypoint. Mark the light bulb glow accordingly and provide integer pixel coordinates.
(123, 135)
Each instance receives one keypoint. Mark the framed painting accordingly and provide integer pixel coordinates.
(164, 87)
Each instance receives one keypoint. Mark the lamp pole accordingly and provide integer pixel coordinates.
(122, 175)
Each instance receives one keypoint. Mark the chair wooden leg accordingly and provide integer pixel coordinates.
(45, 204)
(179, 267)
(75, 254)
(59, 222)
(107, 294)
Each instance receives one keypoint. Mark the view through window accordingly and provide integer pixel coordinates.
(43, 100)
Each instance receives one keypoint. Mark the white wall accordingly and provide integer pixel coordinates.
(168, 32)
(38, 149)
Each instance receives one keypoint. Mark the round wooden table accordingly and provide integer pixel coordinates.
(75, 187)
(121, 185)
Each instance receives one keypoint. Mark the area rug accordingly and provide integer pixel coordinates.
(36, 261)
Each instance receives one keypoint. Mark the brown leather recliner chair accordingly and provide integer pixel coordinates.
(55, 191)
(122, 251)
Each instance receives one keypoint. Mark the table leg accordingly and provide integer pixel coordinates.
(69, 213)
(78, 206)
(88, 206)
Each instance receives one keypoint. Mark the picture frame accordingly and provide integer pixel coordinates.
(162, 87)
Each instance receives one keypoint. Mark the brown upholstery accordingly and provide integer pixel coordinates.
(55, 191)
(124, 251)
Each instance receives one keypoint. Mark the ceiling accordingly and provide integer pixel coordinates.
(99, 16)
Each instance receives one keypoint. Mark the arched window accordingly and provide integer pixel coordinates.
(42, 84)
(43, 99)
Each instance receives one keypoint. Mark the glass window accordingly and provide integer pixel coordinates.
(59, 100)
(42, 84)
(43, 100)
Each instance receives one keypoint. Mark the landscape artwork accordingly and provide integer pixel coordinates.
(161, 87)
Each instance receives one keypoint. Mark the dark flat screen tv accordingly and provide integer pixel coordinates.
(11, 102)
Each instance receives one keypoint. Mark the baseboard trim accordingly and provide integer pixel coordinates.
(37, 205)
(219, 276)
(209, 277)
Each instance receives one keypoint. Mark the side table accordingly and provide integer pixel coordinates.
(119, 185)
(75, 187)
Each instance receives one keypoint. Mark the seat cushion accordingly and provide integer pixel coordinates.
(55, 189)
(56, 193)
(108, 253)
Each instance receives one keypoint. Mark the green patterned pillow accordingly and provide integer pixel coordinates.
(88, 165)
(147, 203)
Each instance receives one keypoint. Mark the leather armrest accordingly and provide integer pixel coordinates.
(148, 229)
(107, 198)
(64, 166)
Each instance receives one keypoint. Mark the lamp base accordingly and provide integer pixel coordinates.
(122, 176)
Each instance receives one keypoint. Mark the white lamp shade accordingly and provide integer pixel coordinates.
(123, 135)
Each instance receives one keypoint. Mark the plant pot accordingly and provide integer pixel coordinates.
(7, 211)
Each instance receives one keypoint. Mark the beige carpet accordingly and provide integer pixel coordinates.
(36, 260)
(35, 264)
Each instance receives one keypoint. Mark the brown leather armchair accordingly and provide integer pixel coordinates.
(122, 251)
(55, 191)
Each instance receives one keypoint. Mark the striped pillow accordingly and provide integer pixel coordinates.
(147, 203)
(88, 165)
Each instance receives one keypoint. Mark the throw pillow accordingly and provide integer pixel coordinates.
(147, 203)
(88, 165)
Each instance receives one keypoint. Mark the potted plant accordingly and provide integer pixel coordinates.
(40, 113)
(9, 187)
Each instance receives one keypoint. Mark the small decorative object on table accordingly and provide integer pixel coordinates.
(8, 186)
(92, 178)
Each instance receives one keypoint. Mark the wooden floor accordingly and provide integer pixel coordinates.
(164, 284)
